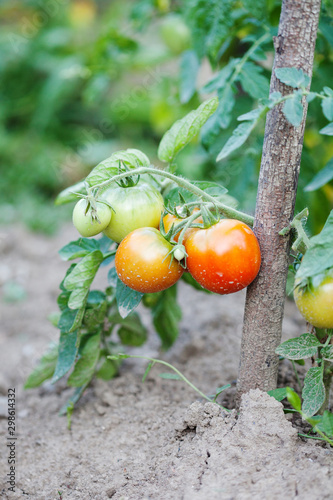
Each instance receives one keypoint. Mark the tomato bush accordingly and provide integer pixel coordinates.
(134, 207)
(143, 264)
(223, 258)
(316, 304)
(89, 223)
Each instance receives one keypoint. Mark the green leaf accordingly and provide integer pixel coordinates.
(68, 349)
(278, 394)
(251, 115)
(72, 400)
(327, 352)
(319, 256)
(294, 399)
(85, 367)
(304, 346)
(131, 331)
(326, 424)
(324, 176)
(80, 279)
(105, 170)
(239, 136)
(253, 81)
(108, 370)
(44, 369)
(328, 130)
(70, 319)
(166, 316)
(170, 376)
(226, 105)
(327, 107)
(293, 77)
(311, 96)
(328, 91)
(212, 188)
(293, 110)
(149, 367)
(189, 67)
(191, 281)
(79, 248)
(69, 195)
(184, 130)
(127, 299)
(313, 393)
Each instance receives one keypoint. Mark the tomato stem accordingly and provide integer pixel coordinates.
(227, 211)
(153, 361)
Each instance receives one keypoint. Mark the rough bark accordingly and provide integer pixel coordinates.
(280, 165)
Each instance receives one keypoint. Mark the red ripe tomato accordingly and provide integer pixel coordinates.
(142, 263)
(223, 258)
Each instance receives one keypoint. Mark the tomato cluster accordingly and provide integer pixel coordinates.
(223, 258)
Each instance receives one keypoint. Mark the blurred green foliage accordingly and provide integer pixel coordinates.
(81, 79)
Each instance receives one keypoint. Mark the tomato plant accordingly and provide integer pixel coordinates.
(223, 258)
(89, 221)
(143, 262)
(134, 207)
(172, 219)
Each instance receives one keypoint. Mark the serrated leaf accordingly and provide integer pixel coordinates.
(131, 332)
(94, 313)
(293, 110)
(253, 81)
(324, 176)
(327, 352)
(106, 169)
(170, 376)
(45, 368)
(313, 393)
(79, 248)
(278, 394)
(184, 130)
(85, 366)
(166, 316)
(294, 399)
(80, 279)
(189, 67)
(68, 349)
(327, 107)
(328, 130)
(239, 136)
(127, 299)
(69, 195)
(304, 346)
(293, 77)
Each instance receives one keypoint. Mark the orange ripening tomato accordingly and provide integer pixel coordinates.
(142, 263)
(170, 219)
(223, 258)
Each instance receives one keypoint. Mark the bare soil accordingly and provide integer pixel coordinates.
(155, 440)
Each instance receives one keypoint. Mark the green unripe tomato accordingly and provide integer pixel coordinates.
(134, 207)
(85, 223)
(175, 34)
(316, 305)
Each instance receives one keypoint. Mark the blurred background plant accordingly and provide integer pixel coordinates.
(81, 79)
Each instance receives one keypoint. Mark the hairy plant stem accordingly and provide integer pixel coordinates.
(227, 211)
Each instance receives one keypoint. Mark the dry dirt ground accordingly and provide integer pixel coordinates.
(144, 441)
